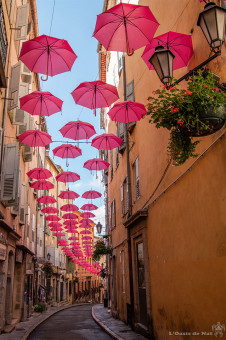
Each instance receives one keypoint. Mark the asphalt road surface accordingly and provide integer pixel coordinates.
(72, 323)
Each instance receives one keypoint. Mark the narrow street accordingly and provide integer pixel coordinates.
(72, 323)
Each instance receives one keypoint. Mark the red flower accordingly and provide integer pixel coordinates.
(188, 92)
(180, 122)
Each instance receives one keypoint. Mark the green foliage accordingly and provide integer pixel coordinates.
(100, 249)
(40, 308)
(181, 111)
(47, 269)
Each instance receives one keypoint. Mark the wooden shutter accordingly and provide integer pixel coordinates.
(127, 194)
(130, 96)
(113, 214)
(137, 179)
(57, 257)
(110, 216)
(26, 74)
(14, 85)
(27, 153)
(122, 199)
(22, 22)
(28, 220)
(15, 203)
(18, 117)
(10, 4)
(121, 134)
(23, 202)
(10, 174)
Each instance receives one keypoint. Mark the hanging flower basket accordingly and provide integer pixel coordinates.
(100, 249)
(195, 112)
(47, 269)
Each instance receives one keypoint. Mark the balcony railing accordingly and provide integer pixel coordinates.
(3, 36)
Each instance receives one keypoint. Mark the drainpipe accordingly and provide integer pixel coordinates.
(129, 196)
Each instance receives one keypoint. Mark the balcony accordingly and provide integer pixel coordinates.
(3, 48)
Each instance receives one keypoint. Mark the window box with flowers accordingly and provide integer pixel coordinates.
(195, 112)
(100, 249)
(47, 269)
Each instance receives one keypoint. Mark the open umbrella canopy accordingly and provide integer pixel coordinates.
(47, 55)
(70, 216)
(67, 151)
(39, 173)
(46, 199)
(125, 27)
(59, 234)
(87, 214)
(54, 224)
(67, 176)
(85, 232)
(89, 207)
(42, 185)
(75, 238)
(91, 194)
(106, 141)
(35, 138)
(127, 112)
(96, 164)
(68, 194)
(40, 103)
(50, 210)
(86, 220)
(179, 44)
(87, 237)
(70, 223)
(95, 94)
(77, 130)
(69, 207)
(52, 218)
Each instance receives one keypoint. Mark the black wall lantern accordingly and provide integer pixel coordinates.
(212, 22)
(99, 227)
(162, 61)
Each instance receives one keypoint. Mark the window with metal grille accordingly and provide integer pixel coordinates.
(124, 197)
(3, 36)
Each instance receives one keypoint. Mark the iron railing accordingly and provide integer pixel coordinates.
(3, 36)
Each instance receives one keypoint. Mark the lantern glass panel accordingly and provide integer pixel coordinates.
(155, 62)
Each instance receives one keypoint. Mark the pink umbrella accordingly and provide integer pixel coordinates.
(39, 173)
(89, 207)
(127, 112)
(179, 44)
(69, 216)
(56, 228)
(87, 226)
(54, 224)
(87, 214)
(47, 55)
(68, 194)
(69, 207)
(96, 164)
(78, 130)
(67, 151)
(52, 218)
(91, 194)
(59, 234)
(85, 232)
(50, 210)
(86, 237)
(75, 238)
(40, 103)
(70, 223)
(86, 220)
(67, 176)
(125, 27)
(35, 138)
(95, 94)
(42, 185)
(106, 141)
(46, 199)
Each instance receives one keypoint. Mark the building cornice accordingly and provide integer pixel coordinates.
(136, 218)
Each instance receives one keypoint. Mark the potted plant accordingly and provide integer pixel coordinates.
(196, 111)
(100, 249)
(47, 269)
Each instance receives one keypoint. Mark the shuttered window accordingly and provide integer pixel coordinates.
(136, 179)
(22, 22)
(23, 202)
(124, 196)
(28, 220)
(10, 175)
(130, 95)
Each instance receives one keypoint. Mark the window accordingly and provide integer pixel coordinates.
(112, 215)
(136, 179)
(122, 260)
(140, 265)
(124, 196)
(130, 96)
(116, 158)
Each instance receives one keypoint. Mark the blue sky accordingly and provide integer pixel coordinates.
(74, 21)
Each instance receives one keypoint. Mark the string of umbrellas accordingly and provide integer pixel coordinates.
(123, 28)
